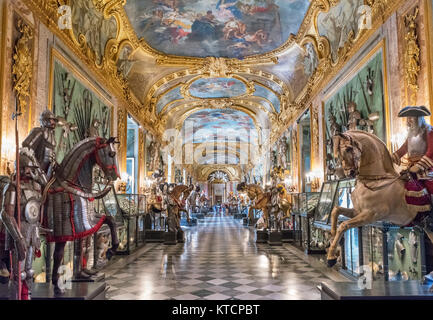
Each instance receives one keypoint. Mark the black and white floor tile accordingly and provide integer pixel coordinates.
(219, 261)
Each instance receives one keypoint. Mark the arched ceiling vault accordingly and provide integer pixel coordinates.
(171, 59)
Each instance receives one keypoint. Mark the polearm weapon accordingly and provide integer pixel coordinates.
(15, 116)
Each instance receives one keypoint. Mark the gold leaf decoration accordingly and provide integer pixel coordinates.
(22, 68)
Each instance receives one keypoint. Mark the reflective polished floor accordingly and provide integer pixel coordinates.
(219, 260)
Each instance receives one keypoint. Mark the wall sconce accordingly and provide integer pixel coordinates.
(313, 178)
(124, 183)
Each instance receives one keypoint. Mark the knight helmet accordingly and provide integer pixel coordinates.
(46, 117)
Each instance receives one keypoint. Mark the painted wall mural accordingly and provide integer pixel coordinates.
(83, 111)
(217, 88)
(89, 22)
(359, 104)
(339, 22)
(124, 64)
(204, 125)
(220, 28)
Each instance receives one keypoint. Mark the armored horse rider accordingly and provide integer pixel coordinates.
(419, 150)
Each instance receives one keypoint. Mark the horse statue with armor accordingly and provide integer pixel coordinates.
(261, 200)
(174, 201)
(382, 194)
(68, 198)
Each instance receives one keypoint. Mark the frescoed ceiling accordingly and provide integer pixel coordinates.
(220, 125)
(252, 61)
(217, 28)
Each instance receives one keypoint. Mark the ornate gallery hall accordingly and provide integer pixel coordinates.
(216, 150)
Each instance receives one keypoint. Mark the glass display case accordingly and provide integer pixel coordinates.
(326, 202)
(133, 208)
(372, 249)
(394, 253)
(406, 258)
(352, 254)
(307, 204)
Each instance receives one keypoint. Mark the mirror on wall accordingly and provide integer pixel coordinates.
(305, 150)
(132, 156)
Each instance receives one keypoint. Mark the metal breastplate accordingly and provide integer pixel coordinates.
(417, 145)
(30, 202)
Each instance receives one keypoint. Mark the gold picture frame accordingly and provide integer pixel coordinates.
(381, 45)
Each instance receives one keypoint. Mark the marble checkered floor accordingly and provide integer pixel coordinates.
(219, 260)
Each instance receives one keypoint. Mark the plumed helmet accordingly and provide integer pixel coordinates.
(45, 118)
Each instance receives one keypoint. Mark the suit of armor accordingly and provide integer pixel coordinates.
(25, 240)
(42, 141)
(419, 149)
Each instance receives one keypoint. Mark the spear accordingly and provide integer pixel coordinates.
(15, 116)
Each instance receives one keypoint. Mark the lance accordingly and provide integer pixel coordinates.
(15, 116)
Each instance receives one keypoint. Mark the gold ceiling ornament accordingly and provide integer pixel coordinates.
(47, 11)
(185, 88)
(242, 71)
(411, 56)
(22, 68)
(329, 69)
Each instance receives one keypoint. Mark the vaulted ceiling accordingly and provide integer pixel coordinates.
(174, 61)
(207, 60)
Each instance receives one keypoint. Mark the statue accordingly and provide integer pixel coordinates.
(23, 242)
(382, 194)
(42, 141)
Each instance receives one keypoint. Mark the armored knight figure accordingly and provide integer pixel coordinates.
(419, 143)
(419, 149)
(42, 141)
(24, 241)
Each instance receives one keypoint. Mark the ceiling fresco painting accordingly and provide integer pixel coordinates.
(124, 63)
(269, 95)
(291, 69)
(339, 22)
(167, 98)
(218, 28)
(217, 88)
(90, 23)
(219, 124)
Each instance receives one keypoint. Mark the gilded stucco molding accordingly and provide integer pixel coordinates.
(105, 73)
(328, 69)
(122, 135)
(411, 56)
(22, 68)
